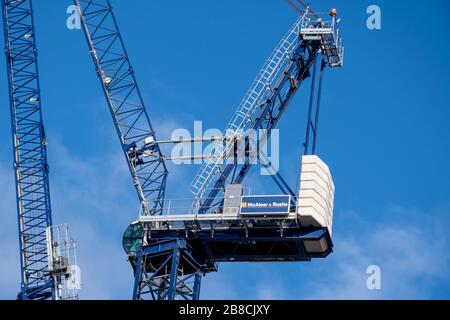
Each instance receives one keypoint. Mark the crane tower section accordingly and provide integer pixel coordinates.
(125, 102)
(41, 277)
(30, 155)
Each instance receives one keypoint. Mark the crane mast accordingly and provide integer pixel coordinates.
(47, 254)
(135, 131)
(170, 253)
(30, 155)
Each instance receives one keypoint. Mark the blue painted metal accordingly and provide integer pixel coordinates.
(30, 155)
(319, 99)
(173, 274)
(133, 126)
(147, 168)
(263, 244)
(249, 244)
(167, 270)
(311, 105)
(312, 127)
(196, 287)
(138, 277)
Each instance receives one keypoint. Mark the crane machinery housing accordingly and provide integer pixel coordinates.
(171, 252)
(47, 253)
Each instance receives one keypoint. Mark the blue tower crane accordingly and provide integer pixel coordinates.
(171, 253)
(45, 260)
(30, 155)
(179, 247)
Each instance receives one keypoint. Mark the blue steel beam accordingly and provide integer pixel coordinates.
(29, 143)
(312, 128)
(252, 245)
(133, 126)
(167, 270)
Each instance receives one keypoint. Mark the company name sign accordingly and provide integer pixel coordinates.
(260, 205)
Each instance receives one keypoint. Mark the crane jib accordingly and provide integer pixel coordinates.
(147, 167)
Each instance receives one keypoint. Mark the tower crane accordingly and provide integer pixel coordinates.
(47, 253)
(170, 253)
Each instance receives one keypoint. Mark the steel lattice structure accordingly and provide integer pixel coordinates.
(125, 102)
(30, 155)
(262, 108)
(295, 59)
(167, 270)
(170, 254)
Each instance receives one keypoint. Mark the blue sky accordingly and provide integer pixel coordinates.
(384, 133)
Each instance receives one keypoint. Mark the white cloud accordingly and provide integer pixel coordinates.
(9, 246)
(412, 257)
(218, 286)
(271, 291)
(96, 198)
